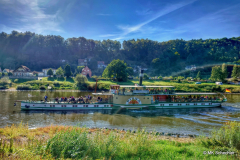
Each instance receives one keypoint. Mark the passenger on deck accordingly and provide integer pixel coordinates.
(46, 97)
(56, 99)
(65, 99)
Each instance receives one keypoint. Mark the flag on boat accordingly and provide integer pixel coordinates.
(228, 91)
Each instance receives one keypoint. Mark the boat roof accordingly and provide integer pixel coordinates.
(107, 94)
(127, 86)
(195, 93)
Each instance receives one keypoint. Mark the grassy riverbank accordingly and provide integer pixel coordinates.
(68, 84)
(19, 142)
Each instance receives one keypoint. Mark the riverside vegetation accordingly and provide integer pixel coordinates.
(53, 142)
(104, 84)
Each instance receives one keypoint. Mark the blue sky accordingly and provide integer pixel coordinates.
(159, 20)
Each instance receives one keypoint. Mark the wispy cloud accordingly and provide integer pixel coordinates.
(108, 35)
(28, 16)
(102, 14)
(129, 29)
(144, 12)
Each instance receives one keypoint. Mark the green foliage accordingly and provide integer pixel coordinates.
(42, 87)
(50, 72)
(5, 74)
(235, 72)
(0, 74)
(129, 71)
(24, 87)
(145, 76)
(224, 71)
(10, 74)
(216, 73)
(116, 69)
(198, 77)
(59, 72)
(228, 136)
(15, 80)
(160, 77)
(67, 71)
(79, 69)
(81, 81)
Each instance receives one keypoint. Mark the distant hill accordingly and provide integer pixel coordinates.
(38, 51)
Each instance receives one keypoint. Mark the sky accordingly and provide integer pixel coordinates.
(159, 20)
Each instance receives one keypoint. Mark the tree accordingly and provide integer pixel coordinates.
(224, 72)
(59, 71)
(79, 69)
(198, 77)
(116, 69)
(216, 73)
(50, 72)
(67, 71)
(235, 72)
(10, 74)
(145, 76)
(129, 71)
(80, 80)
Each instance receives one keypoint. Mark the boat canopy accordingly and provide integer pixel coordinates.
(195, 93)
(129, 86)
(103, 94)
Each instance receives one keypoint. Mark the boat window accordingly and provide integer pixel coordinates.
(86, 105)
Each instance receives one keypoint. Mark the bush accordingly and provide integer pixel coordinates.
(42, 87)
(15, 80)
(227, 136)
(23, 87)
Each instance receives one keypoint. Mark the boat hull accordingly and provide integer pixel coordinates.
(107, 106)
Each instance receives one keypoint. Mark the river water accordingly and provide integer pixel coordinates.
(184, 121)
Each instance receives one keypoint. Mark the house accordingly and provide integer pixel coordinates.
(6, 70)
(22, 71)
(87, 72)
(82, 62)
(39, 74)
(45, 71)
(191, 67)
(101, 64)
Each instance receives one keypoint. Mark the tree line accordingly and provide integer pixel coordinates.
(162, 58)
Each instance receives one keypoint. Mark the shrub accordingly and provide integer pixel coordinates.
(42, 87)
(23, 87)
(227, 136)
(15, 80)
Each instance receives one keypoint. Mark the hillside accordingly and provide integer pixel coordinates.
(38, 51)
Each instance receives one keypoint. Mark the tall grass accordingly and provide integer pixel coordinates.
(227, 136)
(67, 142)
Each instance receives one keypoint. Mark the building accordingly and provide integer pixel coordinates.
(39, 74)
(192, 68)
(22, 71)
(101, 64)
(6, 70)
(87, 72)
(45, 71)
(82, 62)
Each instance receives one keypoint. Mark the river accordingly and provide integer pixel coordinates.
(183, 121)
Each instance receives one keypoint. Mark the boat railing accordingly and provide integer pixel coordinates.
(189, 101)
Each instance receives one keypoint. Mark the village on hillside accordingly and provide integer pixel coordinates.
(25, 72)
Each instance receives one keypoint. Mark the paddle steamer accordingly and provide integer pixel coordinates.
(134, 97)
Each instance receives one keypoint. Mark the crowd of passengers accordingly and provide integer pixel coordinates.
(72, 99)
(193, 98)
(154, 91)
